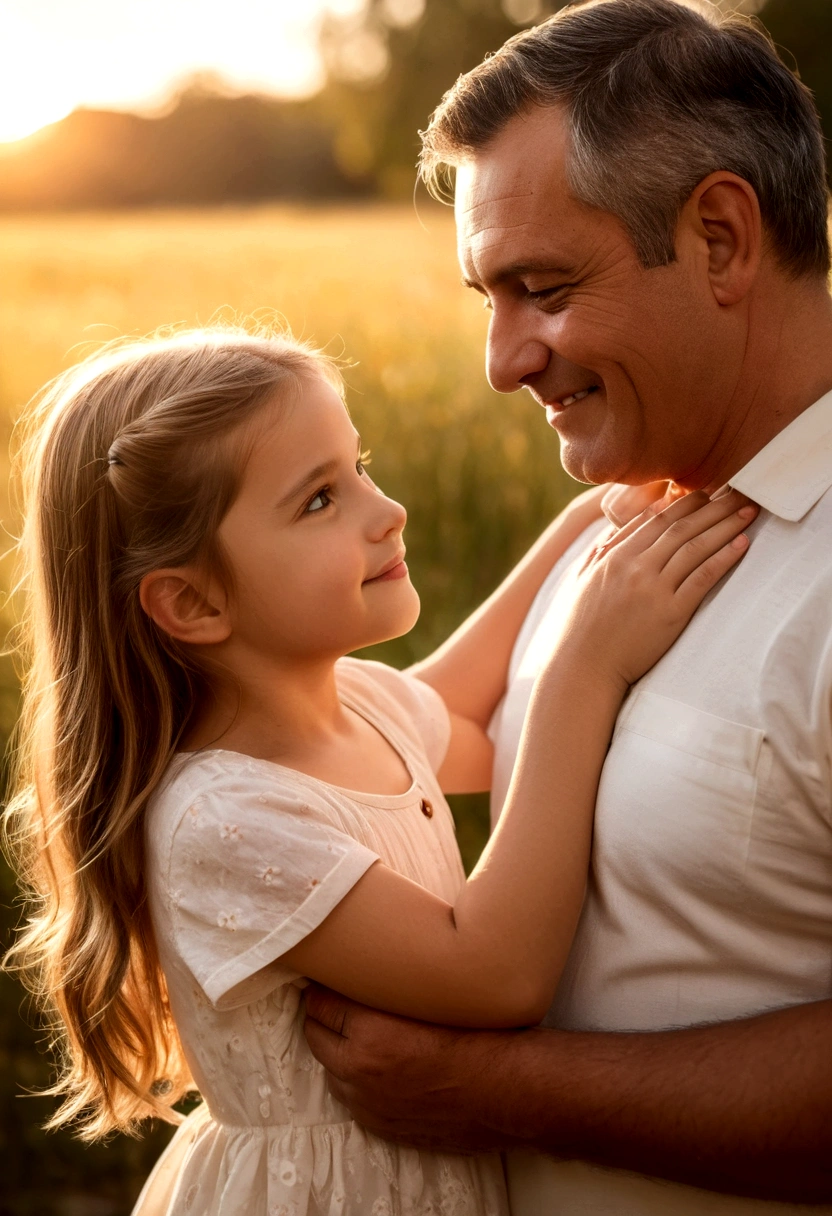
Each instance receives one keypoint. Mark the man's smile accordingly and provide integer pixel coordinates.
(579, 396)
(556, 405)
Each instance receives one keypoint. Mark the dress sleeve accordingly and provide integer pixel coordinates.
(253, 869)
(417, 708)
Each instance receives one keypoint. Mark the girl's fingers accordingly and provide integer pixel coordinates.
(658, 536)
(684, 532)
(702, 546)
(646, 528)
(708, 573)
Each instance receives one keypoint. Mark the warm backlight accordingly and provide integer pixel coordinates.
(21, 116)
(33, 91)
(132, 54)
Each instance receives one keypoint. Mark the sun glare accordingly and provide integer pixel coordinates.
(56, 56)
(19, 120)
(32, 92)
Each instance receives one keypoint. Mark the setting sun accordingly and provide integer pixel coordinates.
(55, 57)
(16, 124)
(33, 91)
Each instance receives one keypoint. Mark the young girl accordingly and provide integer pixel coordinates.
(213, 802)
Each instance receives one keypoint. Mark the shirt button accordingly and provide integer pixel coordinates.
(426, 808)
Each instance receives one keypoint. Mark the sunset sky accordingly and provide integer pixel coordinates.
(59, 54)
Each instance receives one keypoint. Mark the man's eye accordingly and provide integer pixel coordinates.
(547, 293)
(322, 499)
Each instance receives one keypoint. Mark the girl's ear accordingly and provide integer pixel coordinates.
(188, 607)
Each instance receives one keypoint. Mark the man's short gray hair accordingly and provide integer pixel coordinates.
(659, 94)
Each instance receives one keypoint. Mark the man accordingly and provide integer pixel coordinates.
(641, 200)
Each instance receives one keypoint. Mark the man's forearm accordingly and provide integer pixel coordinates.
(742, 1107)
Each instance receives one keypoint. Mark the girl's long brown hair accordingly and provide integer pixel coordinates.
(128, 464)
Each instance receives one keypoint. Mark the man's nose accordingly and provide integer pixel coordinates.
(512, 353)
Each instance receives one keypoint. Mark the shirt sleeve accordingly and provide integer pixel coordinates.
(417, 708)
(253, 870)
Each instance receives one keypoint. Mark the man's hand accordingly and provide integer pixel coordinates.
(741, 1107)
(424, 1085)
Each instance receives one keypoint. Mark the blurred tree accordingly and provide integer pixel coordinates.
(389, 64)
(209, 147)
(802, 30)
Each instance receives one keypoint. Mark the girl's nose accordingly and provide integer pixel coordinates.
(387, 516)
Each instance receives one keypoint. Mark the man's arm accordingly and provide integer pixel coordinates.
(741, 1107)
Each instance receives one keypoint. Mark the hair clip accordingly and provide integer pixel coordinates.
(114, 460)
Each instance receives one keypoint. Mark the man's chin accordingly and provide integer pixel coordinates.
(590, 467)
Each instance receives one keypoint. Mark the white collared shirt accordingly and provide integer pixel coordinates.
(710, 894)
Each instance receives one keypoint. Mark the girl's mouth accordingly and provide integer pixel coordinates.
(397, 569)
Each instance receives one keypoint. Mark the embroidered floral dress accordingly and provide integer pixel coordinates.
(245, 858)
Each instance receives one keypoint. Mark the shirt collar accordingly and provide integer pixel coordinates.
(794, 470)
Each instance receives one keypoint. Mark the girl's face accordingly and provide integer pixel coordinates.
(315, 547)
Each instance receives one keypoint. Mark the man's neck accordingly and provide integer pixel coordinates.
(787, 367)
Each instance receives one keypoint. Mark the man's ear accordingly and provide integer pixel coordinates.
(723, 215)
(188, 607)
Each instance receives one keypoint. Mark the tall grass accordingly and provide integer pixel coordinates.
(478, 473)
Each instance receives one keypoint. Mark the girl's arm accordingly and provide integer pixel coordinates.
(494, 956)
(470, 669)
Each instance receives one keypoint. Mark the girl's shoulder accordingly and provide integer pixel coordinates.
(242, 863)
(213, 778)
(399, 703)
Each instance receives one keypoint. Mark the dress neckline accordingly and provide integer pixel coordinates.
(385, 801)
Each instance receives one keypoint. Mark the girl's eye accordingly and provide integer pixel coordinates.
(362, 462)
(322, 499)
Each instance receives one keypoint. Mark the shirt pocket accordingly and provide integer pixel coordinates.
(677, 795)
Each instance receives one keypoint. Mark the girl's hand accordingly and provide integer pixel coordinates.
(636, 592)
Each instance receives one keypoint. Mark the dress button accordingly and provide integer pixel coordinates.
(426, 808)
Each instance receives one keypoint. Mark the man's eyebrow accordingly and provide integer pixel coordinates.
(517, 270)
(325, 469)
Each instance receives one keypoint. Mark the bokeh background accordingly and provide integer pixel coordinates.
(166, 161)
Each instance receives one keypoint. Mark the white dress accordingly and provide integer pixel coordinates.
(245, 858)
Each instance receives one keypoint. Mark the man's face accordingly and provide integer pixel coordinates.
(635, 367)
